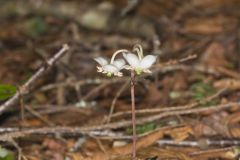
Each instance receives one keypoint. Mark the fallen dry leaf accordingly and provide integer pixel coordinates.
(52, 144)
(209, 25)
(232, 84)
(141, 143)
(77, 156)
(180, 134)
(214, 55)
(217, 121)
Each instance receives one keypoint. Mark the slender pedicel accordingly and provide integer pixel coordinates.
(134, 138)
(116, 53)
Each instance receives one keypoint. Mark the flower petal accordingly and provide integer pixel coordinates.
(119, 63)
(132, 59)
(102, 61)
(110, 68)
(148, 61)
(127, 67)
(147, 71)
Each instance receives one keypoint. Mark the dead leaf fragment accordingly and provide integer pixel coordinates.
(212, 25)
(214, 55)
(180, 134)
(232, 84)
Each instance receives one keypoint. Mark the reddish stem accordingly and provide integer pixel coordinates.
(134, 136)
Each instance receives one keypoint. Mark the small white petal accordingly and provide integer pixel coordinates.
(127, 67)
(148, 61)
(119, 63)
(99, 69)
(132, 59)
(147, 71)
(110, 68)
(102, 61)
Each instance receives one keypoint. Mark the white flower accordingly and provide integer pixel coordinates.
(139, 63)
(110, 68)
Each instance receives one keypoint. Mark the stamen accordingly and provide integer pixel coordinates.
(138, 48)
(99, 69)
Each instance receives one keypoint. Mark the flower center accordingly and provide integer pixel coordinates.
(109, 74)
(138, 71)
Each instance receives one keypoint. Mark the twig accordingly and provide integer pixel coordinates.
(71, 83)
(201, 143)
(41, 131)
(95, 90)
(9, 133)
(22, 107)
(101, 134)
(115, 100)
(163, 68)
(228, 72)
(132, 4)
(39, 116)
(13, 133)
(19, 149)
(167, 109)
(52, 109)
(99, 142)
(176, 61)
(26, 87)
(197, 153)
(153, 118)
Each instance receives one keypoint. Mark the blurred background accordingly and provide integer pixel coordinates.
(72, 93)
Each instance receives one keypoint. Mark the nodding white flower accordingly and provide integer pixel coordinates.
(112, 68)
(139, 63)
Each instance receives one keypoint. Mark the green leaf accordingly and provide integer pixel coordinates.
(7, 91)
(152, 158)
(34, 27)
(201, 90)
(6, 154)
(142, 128)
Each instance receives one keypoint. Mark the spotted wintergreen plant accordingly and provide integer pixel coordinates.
(136, 64)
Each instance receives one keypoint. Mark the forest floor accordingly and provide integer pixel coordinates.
(187, 109)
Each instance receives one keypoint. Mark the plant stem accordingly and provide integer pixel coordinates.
(134, 136)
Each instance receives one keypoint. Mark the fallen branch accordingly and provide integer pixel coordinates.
(201, 143)
(168, 109)
(26, 87)
(156, 117)
(14, 133)
(6, 137)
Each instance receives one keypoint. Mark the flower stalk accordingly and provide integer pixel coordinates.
(116, 53)
(134, 135)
